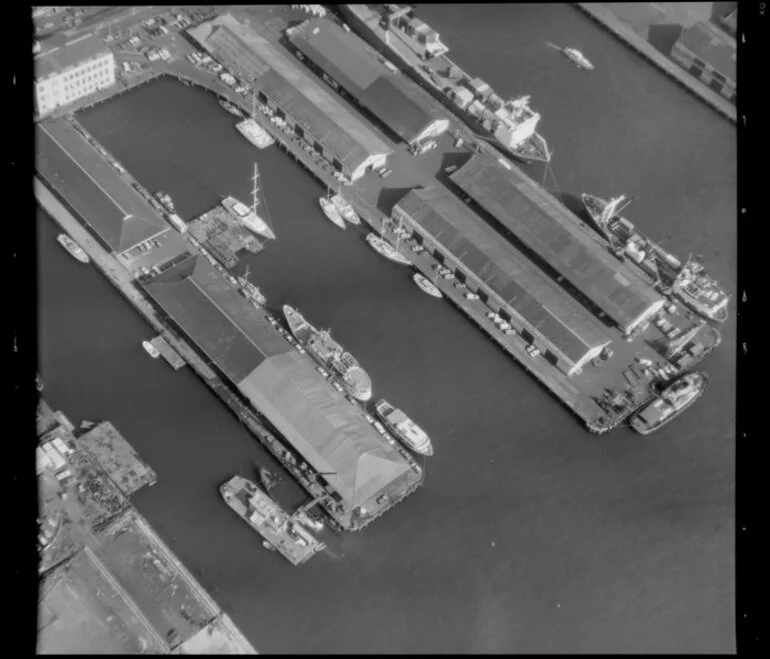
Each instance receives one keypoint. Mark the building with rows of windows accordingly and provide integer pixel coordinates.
(67, 72)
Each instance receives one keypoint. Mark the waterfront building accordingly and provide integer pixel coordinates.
(287, 91)
(346, 62)
(540, 311)
(69, 71)
(552, 238)
(709, 54)
(362, 473)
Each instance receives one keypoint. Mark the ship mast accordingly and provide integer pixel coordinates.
(254, 201)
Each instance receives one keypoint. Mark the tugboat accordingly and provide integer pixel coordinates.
(672, 401)
(407, 431)
(387, 250)
(426, 285)
(151, 349)
(73, 248)
(331, 211)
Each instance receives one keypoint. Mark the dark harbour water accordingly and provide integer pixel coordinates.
(529, 535)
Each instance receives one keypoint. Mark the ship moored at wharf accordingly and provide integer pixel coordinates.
(330, 354)
(688, 282)
(75, 250)
(267, 518)
(510, 125)
(406, 430)
(670, 403)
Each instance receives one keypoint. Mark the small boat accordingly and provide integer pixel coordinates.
(231, 108)
(406, 430)
(267, 545)
(331, 211)
(576, 57)
(85, 424)
(426, 285)
(151, 349)
(165, 201)
(38, 383)
(345, 209)
(385, 249)
(268, 479)
(73, 248)
(670, 403)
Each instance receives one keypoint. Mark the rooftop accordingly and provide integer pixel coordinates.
(347, 60)
(712, 46)
(547, 229)
(283, 80)
(55, 57)
(318, 421)
(542, 303)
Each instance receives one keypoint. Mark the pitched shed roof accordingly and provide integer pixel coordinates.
(345, 58)
(561, 322)
(550, 232)
(245, 51)
(330, 433)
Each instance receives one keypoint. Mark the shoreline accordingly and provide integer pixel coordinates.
(609, 21)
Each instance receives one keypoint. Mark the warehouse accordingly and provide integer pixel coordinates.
(317, 421)
(345, 61)
(543, 314)
(550, 235)
(709, 54)
(289, 91)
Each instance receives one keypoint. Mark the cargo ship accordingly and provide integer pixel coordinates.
(426, 285)
(671, 402)
(330, 354)
(387, 250)
(231, 108)
(510, 125)
(151, 349)
(331, 212)
(267, 518)
(406, 430)
(688, 282)
(73, 248)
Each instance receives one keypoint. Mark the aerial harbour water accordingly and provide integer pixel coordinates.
(527, 525)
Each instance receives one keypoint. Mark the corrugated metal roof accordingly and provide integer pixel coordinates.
(57, 58)
(324, 427)
(344, 57)
(713, 46)
(346, 136)
(120, 227)
(283, 385)
(544, 305)
(553, 234)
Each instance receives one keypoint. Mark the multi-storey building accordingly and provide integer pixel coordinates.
(709, 54)
(67, 72)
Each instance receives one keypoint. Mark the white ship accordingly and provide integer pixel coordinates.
(248, 216)
(576, 57)
(426, 285)
(345, 209)
(410, 434)
(151, 349)
(252, 131)
(331, 211)
(387, 250)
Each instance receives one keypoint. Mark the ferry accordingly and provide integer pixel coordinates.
(151, 349)
(73, 248)
(576, 57)
(345, 209)
(330, 354)
(689, 282)
(426, 285)
(672, 401)
(266, 517)
(406, 430)
(331, 211)
(231, 108)
(385, 249)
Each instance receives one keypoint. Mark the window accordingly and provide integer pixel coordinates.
(698, 62)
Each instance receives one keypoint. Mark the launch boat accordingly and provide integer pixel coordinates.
(73, 248)
(407, 431)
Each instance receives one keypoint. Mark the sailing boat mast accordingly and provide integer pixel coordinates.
(254, 201)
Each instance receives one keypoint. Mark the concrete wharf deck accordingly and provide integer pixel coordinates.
(168, 353)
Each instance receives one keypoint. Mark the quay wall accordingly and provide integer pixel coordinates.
(608, 20)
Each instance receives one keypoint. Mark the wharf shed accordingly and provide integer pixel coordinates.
(316, 420)
(550, 235)
(345, 60)
(537, 307)
(314, 114)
